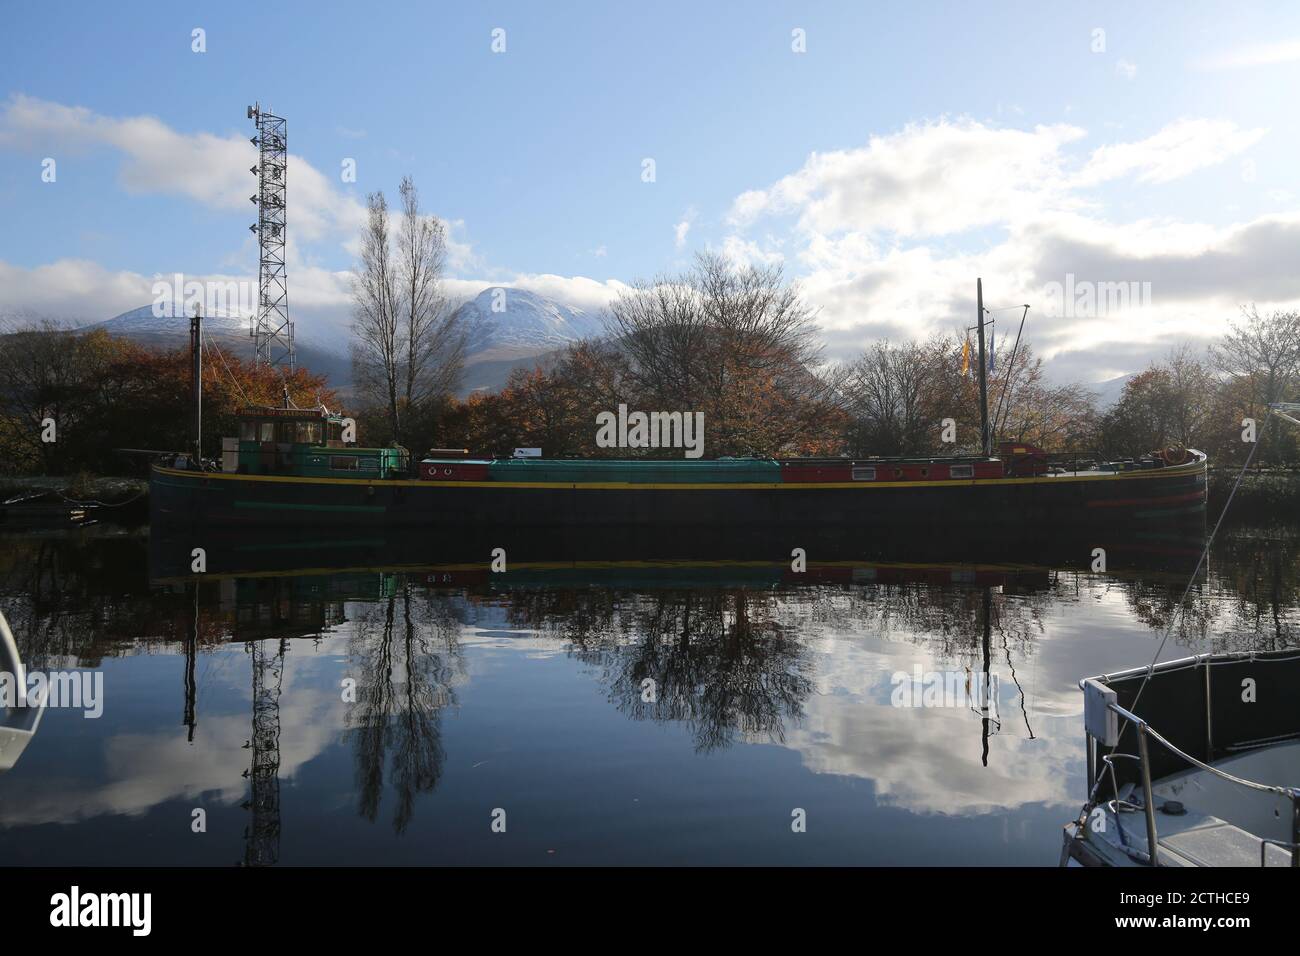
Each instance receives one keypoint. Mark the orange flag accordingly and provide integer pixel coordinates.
(965, 357)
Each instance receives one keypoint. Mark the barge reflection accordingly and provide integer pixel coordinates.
(739, 650)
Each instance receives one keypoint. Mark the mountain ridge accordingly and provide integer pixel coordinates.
(507, 328)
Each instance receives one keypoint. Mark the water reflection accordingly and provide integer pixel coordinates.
(405, 662)
(296, 686)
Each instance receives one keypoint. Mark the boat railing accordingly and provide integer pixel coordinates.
(1081, 460)
(1144, 732)
(18, 724)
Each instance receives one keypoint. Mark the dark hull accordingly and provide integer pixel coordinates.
(1044, 505)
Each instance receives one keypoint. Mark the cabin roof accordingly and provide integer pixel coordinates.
(286, 414)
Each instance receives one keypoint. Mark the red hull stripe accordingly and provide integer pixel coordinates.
(1128, 502)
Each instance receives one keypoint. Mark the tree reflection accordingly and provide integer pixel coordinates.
(719, 661)
(405, 660)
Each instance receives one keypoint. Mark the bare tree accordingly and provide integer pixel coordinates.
(738, 343)
(435, 343)
(377, 350)
(1262, 353)
(1192, 393)
(886, 386)
(410, 347)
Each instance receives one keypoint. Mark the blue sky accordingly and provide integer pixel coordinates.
(954, 140)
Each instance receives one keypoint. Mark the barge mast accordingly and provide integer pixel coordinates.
(986, 437)
(196, 382)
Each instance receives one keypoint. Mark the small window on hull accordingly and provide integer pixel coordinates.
(343, 462)
(961, 471)
(864, 474)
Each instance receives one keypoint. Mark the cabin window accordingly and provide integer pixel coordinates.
(343, 462)
(961, 471)
(864, 473)
(266, 431)
(306, 433)
(248, 431)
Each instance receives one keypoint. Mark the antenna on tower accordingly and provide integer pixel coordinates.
(271, 331)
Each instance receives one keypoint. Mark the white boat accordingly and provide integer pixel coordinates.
(17, 723)
(1198, 758)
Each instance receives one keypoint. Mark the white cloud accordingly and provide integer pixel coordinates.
(1260, 54)
(746, 252)
(210, 169)
(75, 290)
(932, 179)
(1178, 149)
(683, 227)
(886, 238)
(1126, 69)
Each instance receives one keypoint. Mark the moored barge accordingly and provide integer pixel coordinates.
(284, 472)
(293, 467)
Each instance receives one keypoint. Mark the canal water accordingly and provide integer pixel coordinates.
(328, 707)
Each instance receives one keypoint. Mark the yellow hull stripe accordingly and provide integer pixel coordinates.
(638, 565)
(1175, 471)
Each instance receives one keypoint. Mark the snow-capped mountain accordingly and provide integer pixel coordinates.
(501, 317)
(508, 328)
(141, 325)
(230, 333)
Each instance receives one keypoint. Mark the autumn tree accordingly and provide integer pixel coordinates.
(103, 394)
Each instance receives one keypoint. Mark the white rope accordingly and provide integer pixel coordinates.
(1173, 620)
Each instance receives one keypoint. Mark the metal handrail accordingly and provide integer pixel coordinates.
(10, 660)
(1143, 731)
(1195, 660)
(1146, 728)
